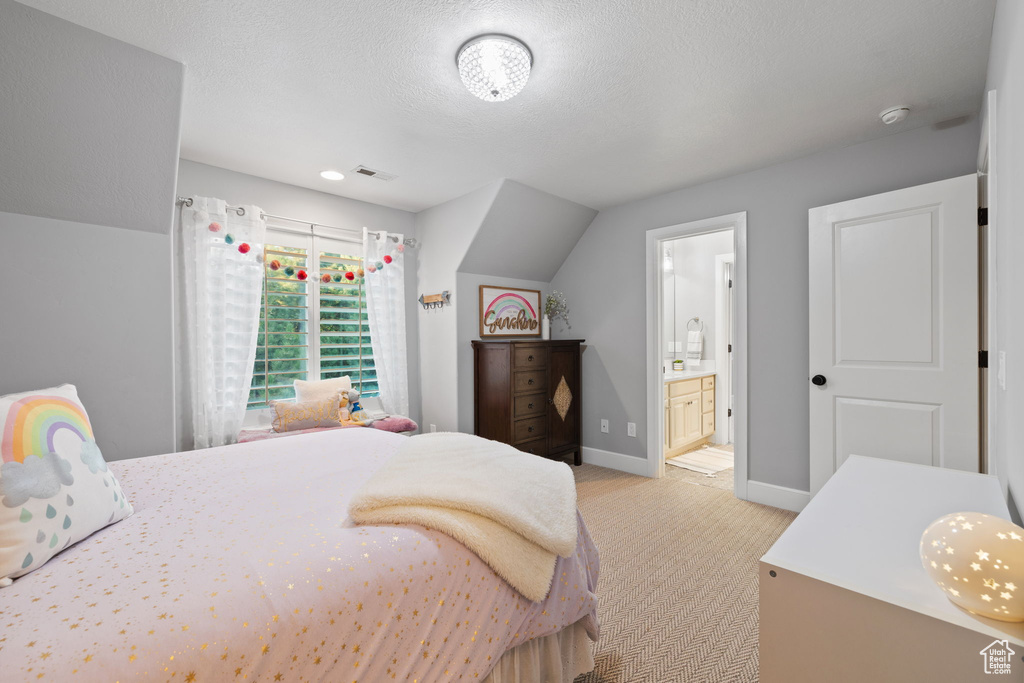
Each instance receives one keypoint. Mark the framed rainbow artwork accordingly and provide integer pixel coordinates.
(509, 312)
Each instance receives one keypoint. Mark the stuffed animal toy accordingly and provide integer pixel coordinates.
(351, 413)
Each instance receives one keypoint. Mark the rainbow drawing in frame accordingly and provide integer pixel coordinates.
(509, 312)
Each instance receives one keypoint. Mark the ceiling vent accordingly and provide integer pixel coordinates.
(369, 172)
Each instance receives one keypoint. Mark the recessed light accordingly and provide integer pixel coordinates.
(332, 175)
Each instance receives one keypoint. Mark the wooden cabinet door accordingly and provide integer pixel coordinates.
(692, 422)
(564, 393)
(676, 422)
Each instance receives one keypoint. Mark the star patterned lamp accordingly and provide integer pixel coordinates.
(978, 562)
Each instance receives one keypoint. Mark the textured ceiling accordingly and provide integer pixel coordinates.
(628, 98)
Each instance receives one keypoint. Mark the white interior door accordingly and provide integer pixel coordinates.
(894, 328)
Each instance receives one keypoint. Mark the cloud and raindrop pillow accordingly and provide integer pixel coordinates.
(55, 487)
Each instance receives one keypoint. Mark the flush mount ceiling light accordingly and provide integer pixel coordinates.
(494, 67)
(332, 175)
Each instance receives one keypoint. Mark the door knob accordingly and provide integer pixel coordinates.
(818, 380)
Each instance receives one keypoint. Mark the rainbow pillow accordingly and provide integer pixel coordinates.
(55, 487)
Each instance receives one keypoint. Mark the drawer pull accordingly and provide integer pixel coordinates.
(530, 358)
(530, 428)
(530, 406)
(529, 381)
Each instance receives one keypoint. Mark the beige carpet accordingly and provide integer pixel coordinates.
(678, 585)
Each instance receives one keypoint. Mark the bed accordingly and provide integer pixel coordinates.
(240, 563)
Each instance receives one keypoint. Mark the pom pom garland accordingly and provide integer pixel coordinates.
(337, 278)
(326, 279)
(379, 265)
(275, 265)
(229, 238)
(289, 271)
(244, 247)
(350, 275)
(359, 272)
(302, 275)
(372, 268)
(215, 227)
(400, 248)
(387, 258)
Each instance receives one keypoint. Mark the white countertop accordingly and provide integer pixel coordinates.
(692, 370)
(862, 532)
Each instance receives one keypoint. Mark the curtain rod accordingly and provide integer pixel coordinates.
(410, 241)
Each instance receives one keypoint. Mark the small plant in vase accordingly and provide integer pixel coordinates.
(555, 307)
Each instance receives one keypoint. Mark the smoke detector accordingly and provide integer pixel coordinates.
(894, 115)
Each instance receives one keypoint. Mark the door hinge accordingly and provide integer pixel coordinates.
(982, 217)
(730, 283)
(730, 412)
(982, 359)
(730, 348)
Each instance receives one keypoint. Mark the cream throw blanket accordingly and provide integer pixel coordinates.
(516, 511)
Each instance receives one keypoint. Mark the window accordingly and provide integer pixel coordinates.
(311, 329)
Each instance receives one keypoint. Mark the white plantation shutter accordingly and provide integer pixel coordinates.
(311, 329)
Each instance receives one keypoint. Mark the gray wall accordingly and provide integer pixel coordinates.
(776, 200)
(297, 202)
(1006, 76)
(89, 126)
(447, 231)
(88, 305)
(89, 130)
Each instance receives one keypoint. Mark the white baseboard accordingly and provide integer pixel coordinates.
(777, 496)
(615, 461)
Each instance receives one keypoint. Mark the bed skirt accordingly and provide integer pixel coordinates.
(557, 658)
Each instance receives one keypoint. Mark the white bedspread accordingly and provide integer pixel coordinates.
(240, 564)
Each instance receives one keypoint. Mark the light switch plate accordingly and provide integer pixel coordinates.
(631, 429)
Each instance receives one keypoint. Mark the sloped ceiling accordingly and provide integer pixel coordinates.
(89, 125)
(626, 100)
(526, 234)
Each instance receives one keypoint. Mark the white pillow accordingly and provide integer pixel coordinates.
(317, 390)
(55, 487)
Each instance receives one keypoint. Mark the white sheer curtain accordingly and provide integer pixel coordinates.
(222, 268)
(385, 304)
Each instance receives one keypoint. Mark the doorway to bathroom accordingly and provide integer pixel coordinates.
(696, 353)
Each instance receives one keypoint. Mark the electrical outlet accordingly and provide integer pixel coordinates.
(604, 426)
(433, 428)
(631, 429)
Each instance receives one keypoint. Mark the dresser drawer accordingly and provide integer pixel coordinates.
(684, 387)
(535, 447)
(525, 357)
(707, 401)
(529, 404)
(530, 428)
(529, 381)
(707, 382)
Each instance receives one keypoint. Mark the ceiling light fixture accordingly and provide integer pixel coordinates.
(494, 67)
(332, 175)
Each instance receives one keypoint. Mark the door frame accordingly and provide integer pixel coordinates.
(737, 222)
(723, 333)
(989, 380)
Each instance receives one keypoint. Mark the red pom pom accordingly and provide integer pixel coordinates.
(325, 278)
(243, 247)
(275, 265)
(301, 275)
(215, 227)
(387, 258)
(350, 275)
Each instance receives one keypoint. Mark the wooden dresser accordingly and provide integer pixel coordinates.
(527, 394)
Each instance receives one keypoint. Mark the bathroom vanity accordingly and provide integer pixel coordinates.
(689, 409)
